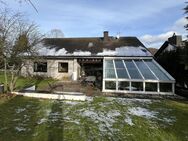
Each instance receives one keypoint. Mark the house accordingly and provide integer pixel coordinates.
(120, 64)
(173, 56)
(172, 44)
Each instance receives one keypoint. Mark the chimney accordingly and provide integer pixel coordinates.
(106, 37)
(175, 40)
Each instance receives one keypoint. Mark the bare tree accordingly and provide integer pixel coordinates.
(55, 33)
(186, 12)
(18, 38)
(20, 1)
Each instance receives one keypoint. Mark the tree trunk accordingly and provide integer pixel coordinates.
(5, 75)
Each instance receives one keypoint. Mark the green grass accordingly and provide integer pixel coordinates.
(100, 118)
(23, 82)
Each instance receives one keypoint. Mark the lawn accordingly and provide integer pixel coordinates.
(22, 82)
(98, 118)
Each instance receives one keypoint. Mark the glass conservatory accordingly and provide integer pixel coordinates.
(136, 75)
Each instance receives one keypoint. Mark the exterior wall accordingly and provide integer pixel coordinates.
(52, 69)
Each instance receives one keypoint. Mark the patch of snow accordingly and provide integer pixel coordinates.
(120, 51)
(125, 101)
(48, 111)
(107, 52)
(170, 48)
(113, 113)
(126, 51)
(17, 119)
(89, 98)
(35, 134)
(170, 120)
(71, 102)
(31, 88)
(105, 121)
(142, 112)
(90, 44)
(76, 121)
(55, 116)
(81, 53)
(51, 51)
(129, 121)
(46, 51)
(28, 106)
(20, 129)
(41, 121)
(19, 110)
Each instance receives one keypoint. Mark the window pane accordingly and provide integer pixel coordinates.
(120, 69)
(122, 73)
(158, 72)
(110, 85)
(109, 64)
(152, 87)
(123, 85)
(137, 86)
(110, 73)
(145, 70)
(165, 87)
(62, 67)
(132, 70)
(119, 64)
(40, 66)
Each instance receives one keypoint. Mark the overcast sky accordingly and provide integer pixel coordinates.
(152, 21)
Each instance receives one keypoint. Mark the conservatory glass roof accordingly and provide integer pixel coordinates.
(135, 69)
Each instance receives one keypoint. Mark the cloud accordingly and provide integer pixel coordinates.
(179, 26)
(157, 40)
(89, 18)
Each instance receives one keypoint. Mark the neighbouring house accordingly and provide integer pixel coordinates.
(119, 64)
(152, 50)
(173, 56)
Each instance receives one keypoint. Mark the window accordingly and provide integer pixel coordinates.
(137, 86)
(109, 69)
(165, 87)
(135, 75)
(123, 85)
(151, 87)
(63, 67)
(110, 85)
(40, 66)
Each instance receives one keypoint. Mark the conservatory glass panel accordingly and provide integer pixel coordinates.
(151, 87)
(109, 69)
(132, 70)
(158, 72)
(109, 64)
(165, 87)
(120, 69)
(137, 86)
(145, 70)
(110, 85)
(119, 64)
(121, 73)
(110, 73)
(123, 85)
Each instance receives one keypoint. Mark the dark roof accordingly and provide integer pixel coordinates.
(93, 45)
(162, 48)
